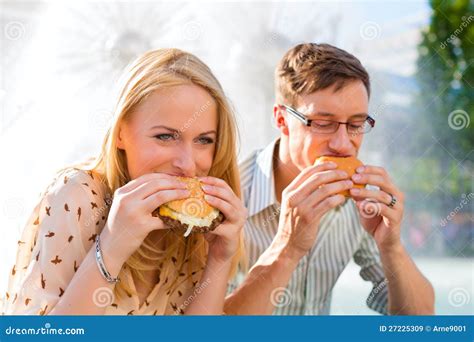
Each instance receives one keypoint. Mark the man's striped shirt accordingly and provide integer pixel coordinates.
(340, 238)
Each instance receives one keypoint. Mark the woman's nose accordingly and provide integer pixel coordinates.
(184, 161)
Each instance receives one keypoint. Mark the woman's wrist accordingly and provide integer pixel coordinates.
(218, 263)
(112, 254)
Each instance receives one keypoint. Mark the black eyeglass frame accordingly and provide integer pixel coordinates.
(307, 122)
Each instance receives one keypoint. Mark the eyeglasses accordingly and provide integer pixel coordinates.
(355, 127)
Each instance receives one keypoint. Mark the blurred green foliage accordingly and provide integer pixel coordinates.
(436, 169)
(445, 103)
(446, 72)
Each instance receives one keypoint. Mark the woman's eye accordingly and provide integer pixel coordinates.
(165, 137)
(205, 140)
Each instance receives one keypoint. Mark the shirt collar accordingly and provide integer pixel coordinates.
(262, 190)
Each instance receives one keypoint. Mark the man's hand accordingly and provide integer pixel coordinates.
(308, 197)
(410, 293)
(381, 220)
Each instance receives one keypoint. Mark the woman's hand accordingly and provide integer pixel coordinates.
(224, 240)
(130, 220)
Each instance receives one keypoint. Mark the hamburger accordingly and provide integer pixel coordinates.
(347, 164)
(192, 214)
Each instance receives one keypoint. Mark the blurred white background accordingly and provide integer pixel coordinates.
(60, 62)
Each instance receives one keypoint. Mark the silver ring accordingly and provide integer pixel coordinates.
(393, 201)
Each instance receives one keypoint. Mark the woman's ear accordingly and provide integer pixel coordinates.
(279, 118)
(120, 144)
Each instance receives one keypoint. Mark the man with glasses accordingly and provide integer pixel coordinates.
(358, 125)
(300, 233)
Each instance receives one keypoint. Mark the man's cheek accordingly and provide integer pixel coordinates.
(300, 158)
(311, 150)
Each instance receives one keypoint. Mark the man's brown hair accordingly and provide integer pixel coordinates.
(309, 67)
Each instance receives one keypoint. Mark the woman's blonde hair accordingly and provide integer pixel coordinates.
(159, 69)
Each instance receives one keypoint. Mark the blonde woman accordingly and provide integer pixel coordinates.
(171, 119)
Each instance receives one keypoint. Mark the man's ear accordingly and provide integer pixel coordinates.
(279, 118)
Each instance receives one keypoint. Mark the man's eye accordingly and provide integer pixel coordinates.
(165, 137)
(356, 124)
(205, 140)
(322, 124)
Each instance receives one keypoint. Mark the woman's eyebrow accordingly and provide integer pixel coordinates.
(208, 132)
(166, 127)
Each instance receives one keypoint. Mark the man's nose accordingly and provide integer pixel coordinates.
(340, 141)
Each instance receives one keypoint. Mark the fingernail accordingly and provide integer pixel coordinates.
(206, 187)
(207, 198)
(360, 169)
(356, 177)
(355, 191)
(349, 183)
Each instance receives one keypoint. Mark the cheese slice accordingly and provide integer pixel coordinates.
(189, 220)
